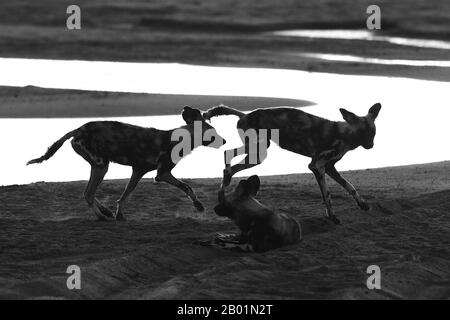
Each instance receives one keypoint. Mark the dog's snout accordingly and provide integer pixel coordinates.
(212, 139)
(220, 140)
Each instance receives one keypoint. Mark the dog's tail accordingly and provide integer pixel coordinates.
(222, 110)
(53, 148)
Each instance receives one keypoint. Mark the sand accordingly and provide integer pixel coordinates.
(46, 227)
(36, 102)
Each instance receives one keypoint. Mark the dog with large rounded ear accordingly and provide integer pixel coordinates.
(190, 115)
(374, 110)
(249, 187)
(348, 116)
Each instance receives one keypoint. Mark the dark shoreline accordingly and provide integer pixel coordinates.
(36, 102)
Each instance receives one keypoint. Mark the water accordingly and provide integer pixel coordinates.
(412, 126)
(399, 62)
(364, 35)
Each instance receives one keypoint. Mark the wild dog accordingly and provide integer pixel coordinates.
(262, 229)
(324, 141)
(144, 149)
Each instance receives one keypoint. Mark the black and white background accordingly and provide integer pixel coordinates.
(140, 62)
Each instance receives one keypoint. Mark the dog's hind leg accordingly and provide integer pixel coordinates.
(97, 175)
(336, 176)
(136, 176)
(319, 172)
(99, 167)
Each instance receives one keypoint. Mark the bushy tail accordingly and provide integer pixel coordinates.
(220, 111)
(53, 148)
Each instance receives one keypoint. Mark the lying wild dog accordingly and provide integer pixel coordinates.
(144, 149)
(325, 141)
(262, 229)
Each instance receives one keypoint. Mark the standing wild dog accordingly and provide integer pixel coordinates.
(261, 228)
(144, 149)
(325, 141)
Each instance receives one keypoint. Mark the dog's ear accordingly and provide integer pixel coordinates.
(253, 184)
(190, 115)
(374, 110)
(348, 116)
(248, 187)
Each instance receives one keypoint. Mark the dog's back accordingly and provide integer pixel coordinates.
(288, 227)
(298, 131)
(274, 231)
(122, 143)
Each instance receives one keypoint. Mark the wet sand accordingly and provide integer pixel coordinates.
(36, 102)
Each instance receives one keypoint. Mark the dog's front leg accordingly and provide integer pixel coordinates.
(255, 152)
(136, 176)
(228, 155)
(319, 172)
(170, 179)
(229, 171)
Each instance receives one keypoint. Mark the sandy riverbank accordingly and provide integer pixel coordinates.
(47, 226)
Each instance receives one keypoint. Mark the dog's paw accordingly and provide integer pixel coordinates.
(199, 206)
(119, 216)
(106, 212)
(334, 219)
(363, 205)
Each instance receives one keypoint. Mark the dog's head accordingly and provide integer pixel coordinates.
(240, 200)
(364, 127)
(209, 136)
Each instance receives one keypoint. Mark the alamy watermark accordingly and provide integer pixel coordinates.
(255, 141)
(73, 21)
(374, 280)
(74, 280)
(373, 22)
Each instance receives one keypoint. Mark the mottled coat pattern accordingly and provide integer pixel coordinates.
(261, 228)
(324, 141)
(144, 149)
